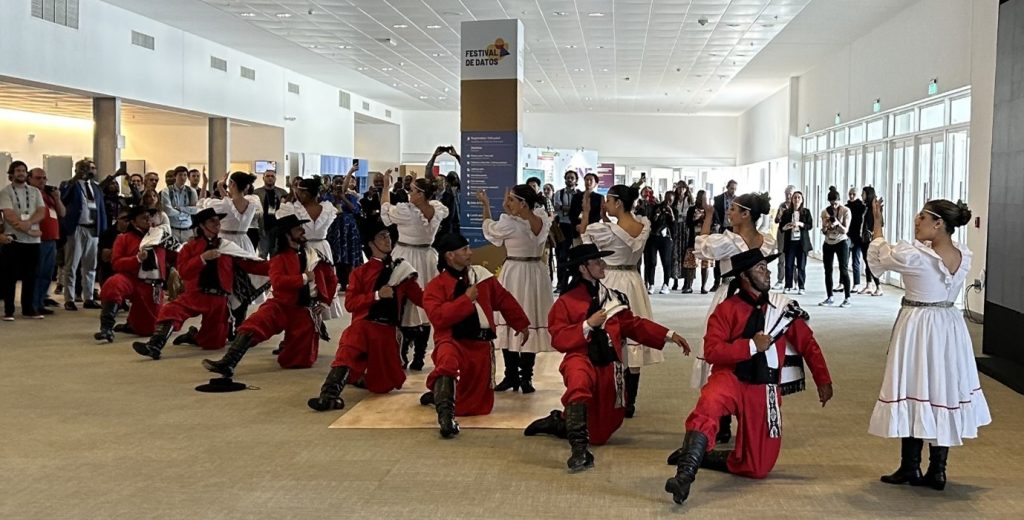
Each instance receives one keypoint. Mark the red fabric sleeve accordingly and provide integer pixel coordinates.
(124, 257)
(802, 339)
(257, 267)
(411, 290)
(641, 330)
(719, 347)
(441, 312)
(360, 294)
(502, 301)
(280, 277)
(189, 262)
(566, 333)
(326, 282)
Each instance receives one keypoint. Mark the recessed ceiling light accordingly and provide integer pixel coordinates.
(733, 24)
(283, 15)
(595, 15)
(436, 54)
(394, 84)
(247, 15)
(442, 98)
(400, 26)
(600, 46)
(540, 81)
(577, 70)
(586, 99)
(424, 97)
(360, 68)
(344, 46)
(560, 13)
(452, 13)
(415, 85)
(767, 25)
(446, 89)
(401, 64)
(433, 27)
(387, 69)
(570, 46)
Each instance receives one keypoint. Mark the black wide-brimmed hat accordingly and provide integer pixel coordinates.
(449, 242)
(135, 211)
(205, 215)
(582, 253)
(288, 223)
(741, 262)
(221, 385)
(369, 228)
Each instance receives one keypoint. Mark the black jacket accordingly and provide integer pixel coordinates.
(805, 232)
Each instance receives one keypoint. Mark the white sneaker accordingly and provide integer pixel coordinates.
(845, 304)
(778, 286)
(801, 292)
(650, 290)
(878, 292)
(827, 303)
(664, 289)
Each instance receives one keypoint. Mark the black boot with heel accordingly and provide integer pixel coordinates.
(330, 392)
(909, 471)
(935, 477)
(526, 362)
(511, 379)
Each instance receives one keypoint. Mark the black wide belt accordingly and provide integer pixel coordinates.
(419, 246)
(523, 258)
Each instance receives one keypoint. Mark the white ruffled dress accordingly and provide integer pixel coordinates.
(626, 251)
(415, 235)
(526, 280)
(316, 238)
(931, 389)
(719, 247)
(233, 228)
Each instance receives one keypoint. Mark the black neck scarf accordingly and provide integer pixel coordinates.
(305, 296)
(209, 278)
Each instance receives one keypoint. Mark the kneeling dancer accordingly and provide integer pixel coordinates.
(589, 323)
(460, 303)
(377, 293)
(139, 263)
(747, 351)
(207, 266)
(304, 284)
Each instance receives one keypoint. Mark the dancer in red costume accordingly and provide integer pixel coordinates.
(461, 302)
(746, 344)
(207, 266)
(377, 293)
(589, 324)
(140, 267)
(304, 284)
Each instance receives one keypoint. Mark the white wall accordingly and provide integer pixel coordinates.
(52, 136)
(165, 146)
(649, 140)
(380, 144)
(764, 130)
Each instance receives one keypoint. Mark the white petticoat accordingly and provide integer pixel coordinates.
(424, 260)
(630, 283)
(530, 284)
(931, 389)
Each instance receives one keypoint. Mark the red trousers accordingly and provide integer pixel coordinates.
(472, 363)
(370, 350)
(755, 453)
(301, 342)
(213, 332)
(142, 316)
(594, 386)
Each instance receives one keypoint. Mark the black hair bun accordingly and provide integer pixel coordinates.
(964, 214)
(634, 193)
(764, 203)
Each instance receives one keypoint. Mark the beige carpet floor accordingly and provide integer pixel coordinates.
(93, 431)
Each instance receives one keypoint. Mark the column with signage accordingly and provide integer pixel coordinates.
(492, 115)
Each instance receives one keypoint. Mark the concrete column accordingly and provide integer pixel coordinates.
(219, 147)
(106, 135)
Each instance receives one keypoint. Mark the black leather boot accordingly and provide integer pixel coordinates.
(579, 438)
(188, 338)
(108, 318)
(724, 434)
(237, 317)
(444, 403)
(632, 386)
(511, 379)
(156, 342)
(553, 424)
(935, 477)
(408, 336)
(910, 463)
(695, 445)
(526, 362)
(419, 348)
(716, 460)
(225, 366)
(330, 391)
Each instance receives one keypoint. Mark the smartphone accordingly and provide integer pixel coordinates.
(355, 162)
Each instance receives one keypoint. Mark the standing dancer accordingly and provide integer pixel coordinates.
(625, 238)
(417, 222)
(523, 230)
(303, 284)
(743, 215)
(589, 323)
(748, 337)
(461, 302)
(931, 388)
(368, 349)
(318, 217)
(140, 268)
(207, 265)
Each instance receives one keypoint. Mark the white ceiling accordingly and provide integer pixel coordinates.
(575, 59)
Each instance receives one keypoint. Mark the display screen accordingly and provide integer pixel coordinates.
(263, 166)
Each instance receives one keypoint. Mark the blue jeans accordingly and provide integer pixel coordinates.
(47, 261)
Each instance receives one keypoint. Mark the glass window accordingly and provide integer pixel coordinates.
(823, 142)
(903, 123)
(857, 133)
(809, 145)
(960, 110)
(839, 137)
(876, 129)
(933, 116)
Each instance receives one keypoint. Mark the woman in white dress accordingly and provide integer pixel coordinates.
(930, 390)
(239, 211)
(744, 213)
(626, 238)
(523, 230)
(307, 206)
(417, 222)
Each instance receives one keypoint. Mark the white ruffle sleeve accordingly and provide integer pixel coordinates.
(497, 231)
(604, 235)
(903, 257)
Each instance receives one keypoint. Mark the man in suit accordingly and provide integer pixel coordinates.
(271, 197)
(721, 221)
(590, 182)
(563, 211)
(370, 203)
(85, 217)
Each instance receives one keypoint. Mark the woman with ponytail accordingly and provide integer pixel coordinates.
(835, 222)
(930, 390)
(626, 238)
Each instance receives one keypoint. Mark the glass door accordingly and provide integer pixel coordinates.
(854, 171)
(874, 167)
(958, 145)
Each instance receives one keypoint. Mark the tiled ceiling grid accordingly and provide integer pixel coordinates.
(668, 56)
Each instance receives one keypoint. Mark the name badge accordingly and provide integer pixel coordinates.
(271, 210)
(26, 216)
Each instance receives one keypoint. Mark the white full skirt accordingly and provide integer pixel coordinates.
(931, 389)
(530, 284)
(701, 368)
(424, 260)
(242, 240)
(630, 283)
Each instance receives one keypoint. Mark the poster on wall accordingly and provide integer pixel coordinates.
(605, 176)
(489, 163)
